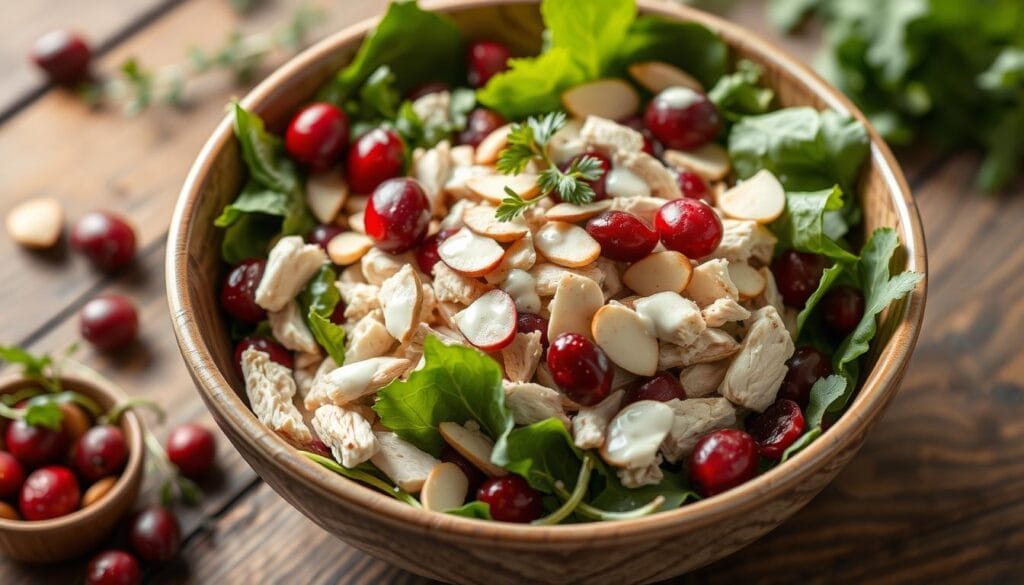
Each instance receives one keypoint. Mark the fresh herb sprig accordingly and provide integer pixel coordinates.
(42, 403)
(528, 142)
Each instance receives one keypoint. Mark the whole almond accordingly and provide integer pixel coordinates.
(98, 490)
(75, 421)
(8, 512)
(36, 223)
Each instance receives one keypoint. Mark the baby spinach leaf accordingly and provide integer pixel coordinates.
(532, 86)
(590, 31)
(319, 299)
(260, 150)
(802, 225)
(478, 510)
(253, 199)
(673, 488)
(738, 94)
(543, 453)
(692, 47)
(823, 394)
(801, 444)
(249, 236)
(828, 278)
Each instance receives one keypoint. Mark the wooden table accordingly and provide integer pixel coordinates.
(937, 493)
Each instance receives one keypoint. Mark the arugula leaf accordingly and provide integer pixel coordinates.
(802, 225)
(456, 384)
(828, 278)
(824, 393)
(800, 444)
(738, 94)
(260, 150)
(543, 453)
(478, 510)
(532, 86)
(673, 489)
(690, 46)
(590, 31)
(319, 299)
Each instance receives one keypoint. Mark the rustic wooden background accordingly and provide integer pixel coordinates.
(937, 494)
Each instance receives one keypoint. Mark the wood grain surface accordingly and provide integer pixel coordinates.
(933, 496)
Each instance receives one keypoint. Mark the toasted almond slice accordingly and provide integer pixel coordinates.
(489, 322)
(566, 244)
(481, 220)
(659, 272)
(760, 198)
(656, 76)
(492, 187)
(626, 338)
(572, 308)
(636, 433)
(348, 247)
(356, 223)
(473, 445)
(446, 488)
(710, 161)
(748, 281)
(356, 203)
(36, 223)
(613, 99)
(326, 193)
(573, 213)
(402, 462)
(470, 254)
(491, 146)
(401, 298)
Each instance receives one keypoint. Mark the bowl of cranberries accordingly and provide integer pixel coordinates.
(63, 487)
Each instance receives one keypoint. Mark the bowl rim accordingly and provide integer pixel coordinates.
(132, 470)
(878, 388)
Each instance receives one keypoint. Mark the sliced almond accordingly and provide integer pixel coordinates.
(97, 491)
(710, 161)
(481, 220)
(566, 244)
(446, 488)
(326, 193)
(659, 272)
(760, 198)
(356, 203)
(402, 462)
(348, 247)
(473, 445)
(492, 187)
(613, 99)
(356, 223)
(489, 322)
(470, 254)
(749, 282)
(636, 433)
(572, 308)
(401, 299)
(491, 146)
(572, 213)
(656, 76)
(626, 338)
(36, 223)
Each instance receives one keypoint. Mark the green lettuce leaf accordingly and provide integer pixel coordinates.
(802, 225)
(318, 300)
(366, 473)
(590, 31)
(478, 510)
(673, 488)
(690, 46)
(824, 393)
(828, 278)
(532, 86)
(738, 94)
(543, 453)
(800, 444)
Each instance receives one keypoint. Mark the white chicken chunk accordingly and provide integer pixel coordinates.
(754, 376)
(638, 477)
(522, 356)
(722, 311)
(608, 137)
(432, 169)
(271, 388)
(290, 265)
(402, 462)
(743, 240)
(675, 319)
(450, 286)
(531, 403)
(353, 381)
(360, 298)
(700, 380)
(650, 170)
(433, 108)
(710, 346)
(694, 418)
(291, 330)
(347, 434)
(368, 339)
(590, 425)
(646, 208)
(379, 265)
(711, 281)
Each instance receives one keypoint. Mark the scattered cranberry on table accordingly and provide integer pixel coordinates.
(397, 215)
(806, 366)
(530, 322)
(580, 368)
(623, 236)
(34, 446)
(49, 492)
(154, 534)
(661, 387)
(192, 448)
(113, 567)
(323, 233)
(63, 55)
(682, 118)
(842, 309)
(376, 156)
(101, 452)
(778, 427)
(238, 291)
(427, 255)
(479, 124)
(485, 59)
(12, 475)
(275, 350)
(797, 275)
(511, 499)
(317, 135)
(472, 473)
(109, 322)
(689, 226)
(723, 460)
(106, 239)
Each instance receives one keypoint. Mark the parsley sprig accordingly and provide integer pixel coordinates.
(528, 141)
(42, 402)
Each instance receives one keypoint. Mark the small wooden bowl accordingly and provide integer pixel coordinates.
(60, 539)
(469, 551)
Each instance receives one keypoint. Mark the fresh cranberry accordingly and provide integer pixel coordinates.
(238, 291)
(49, 492)
(511, 499)
(651, 145)
(397, 215)
(530, 322)
(101, 452)
(317, 135)
(12, 475)
(623, 236)
(693, 186)
(485, 59)
(375, 157)
(426, 254)
(427, 89)
(323, 233)
(689, 226)
(797, 275)
(63, 55)
(599, 185)
(34, 446)
(109, 322)
(113, 567)
(723, 460)
(777, 428)
(806, 366)
(155, 535)
(479, 125)
(105, 239)
(192, 449)
(842, 309)
(338, 314)
(682, 118)
(580, 368)
(277, 352)
(472, 473)
(662, 387)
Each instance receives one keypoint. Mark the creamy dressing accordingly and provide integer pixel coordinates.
(678, 97)
(519, 284)
(350, 381)
(622, 182)
(398, 310)
(664, 313)
(635, 434)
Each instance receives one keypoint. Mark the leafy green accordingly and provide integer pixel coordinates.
(532, 86)
(688, 45)
(366, 473)
(261, 152)
(478, 510)
(318, 300)
(802, 226)
(253, 199)
(543, 453)
(456, 384)
(828, 278)
(418, 133)
(824, 393)
(32, 366)
(800, 444)
(673, 490)
(590, 31)
(572, 500)
(738, 94)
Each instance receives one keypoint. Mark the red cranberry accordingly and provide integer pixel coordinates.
(479, 125)
(322, 234)
(397, 215)
(662, 387)
(320, 448)
(375, 157)
(63, 55)
(101, 452)
(427, 89)
(105, 239)
(689, 226)
(109, 322)
(277, 352)
(426, 254)
(338, 314)
(155, 535)
(806, 366)
(777, 428)
(623, 236)
(599, 185)
(113, 567)
(797, 275)
(682, 118)
(842, 309)
(238, 291)
(580, 368)
(511, 499)
(192, 449)
(723, 460)
(49, 492)
(530, 322)
(693, 186)
(34, 446)
(651, 146)
(12, 475)
(485, 59)
(317, 135)
(472, 473)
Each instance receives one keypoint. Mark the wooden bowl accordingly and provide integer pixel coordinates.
(60, 539)
(463, 550)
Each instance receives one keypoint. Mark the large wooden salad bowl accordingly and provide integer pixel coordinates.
(469, 551)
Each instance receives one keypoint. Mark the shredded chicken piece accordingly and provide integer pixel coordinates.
(694, 418)
(305, 372)
(675, 319)
(433, 108)
(531, 403)
(590, 425)
(360, 299)
(368, 339)
(711, 281)
(432, 169)
(638, 477)
(650, 170)
(756, 372)
(612, 281)
(379, 265)
(450, 286)
(610, 138)
(429, 304)
(271, 388)
(547, 276)
(290, 265)
(700, 380)
(352, 274)
(346, 433)
(453, 220)
(353, 381)
(645, 208)
(522, 356)
(722, 311)
(402, 462)
(710, 346)
(743, 240)
(291, 330)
